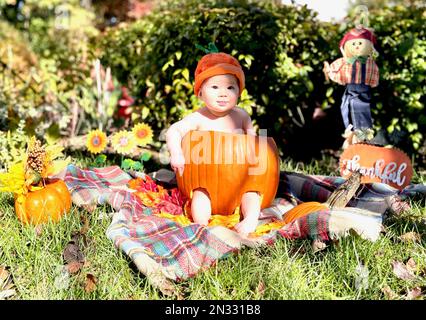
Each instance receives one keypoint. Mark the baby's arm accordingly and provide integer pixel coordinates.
(247, 123)
(174, 141)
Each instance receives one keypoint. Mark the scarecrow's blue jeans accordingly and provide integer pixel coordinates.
(355, 108)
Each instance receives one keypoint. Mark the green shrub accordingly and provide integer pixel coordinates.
(45, 67)
(401, 94)
(280, 47)
(400, 97)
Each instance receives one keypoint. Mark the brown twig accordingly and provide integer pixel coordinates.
(345, 192)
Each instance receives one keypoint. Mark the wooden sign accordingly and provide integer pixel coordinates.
(377, 164)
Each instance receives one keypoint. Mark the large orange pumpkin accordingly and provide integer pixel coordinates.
(227, 165)
(40, 206)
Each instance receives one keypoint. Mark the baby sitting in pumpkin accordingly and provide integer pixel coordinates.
(219, 81)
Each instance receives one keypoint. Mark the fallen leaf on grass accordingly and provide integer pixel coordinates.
(389, 293)
(411, 265)
(396, 205)
(4, 274)
(318, 245)
(89, 207)
(166, 287)
(261, 288)
(39, 230)
(410, 237)
(74, 267)
(401, 271)
(6, 284)
(73, 256)
(414, 293)
(72, 253)
(85, 226)
(90, 284)
(7, 294)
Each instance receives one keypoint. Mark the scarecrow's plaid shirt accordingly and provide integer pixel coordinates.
(341, 72)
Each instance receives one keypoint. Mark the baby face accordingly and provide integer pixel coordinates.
(220, 94)
(358, 47)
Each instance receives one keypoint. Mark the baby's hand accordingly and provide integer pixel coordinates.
(177, 162)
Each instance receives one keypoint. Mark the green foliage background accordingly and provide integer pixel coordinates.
(402, 93)
(282, 49)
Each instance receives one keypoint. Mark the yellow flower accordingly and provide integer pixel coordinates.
(143, 133)
(32, 142)
(14, 180)
(53, 151)
(55, 167)
(123, 142)
(96, 141)
(51, 166)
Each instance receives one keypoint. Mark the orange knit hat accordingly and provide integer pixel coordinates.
(213, 64)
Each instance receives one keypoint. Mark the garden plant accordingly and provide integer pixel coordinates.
(93, 85)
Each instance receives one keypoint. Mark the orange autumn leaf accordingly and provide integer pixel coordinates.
(90, 284)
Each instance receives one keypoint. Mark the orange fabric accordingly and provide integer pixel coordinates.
(214, 64)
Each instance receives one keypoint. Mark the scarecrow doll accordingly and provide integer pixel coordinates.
(359, 73)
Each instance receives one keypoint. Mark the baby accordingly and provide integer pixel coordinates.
(219, 80)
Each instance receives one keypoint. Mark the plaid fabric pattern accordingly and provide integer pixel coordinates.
(341, 72)
(162, 247)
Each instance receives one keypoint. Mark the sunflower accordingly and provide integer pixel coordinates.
(96, 141)
(123, 142)
(143, 134)
(14, 180)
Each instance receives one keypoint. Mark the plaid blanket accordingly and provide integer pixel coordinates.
(163, 249)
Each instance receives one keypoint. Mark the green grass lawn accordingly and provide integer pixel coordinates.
(289, 269)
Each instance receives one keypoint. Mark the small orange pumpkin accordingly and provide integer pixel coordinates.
(302, 210)
(40, 206)
(227, 165)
